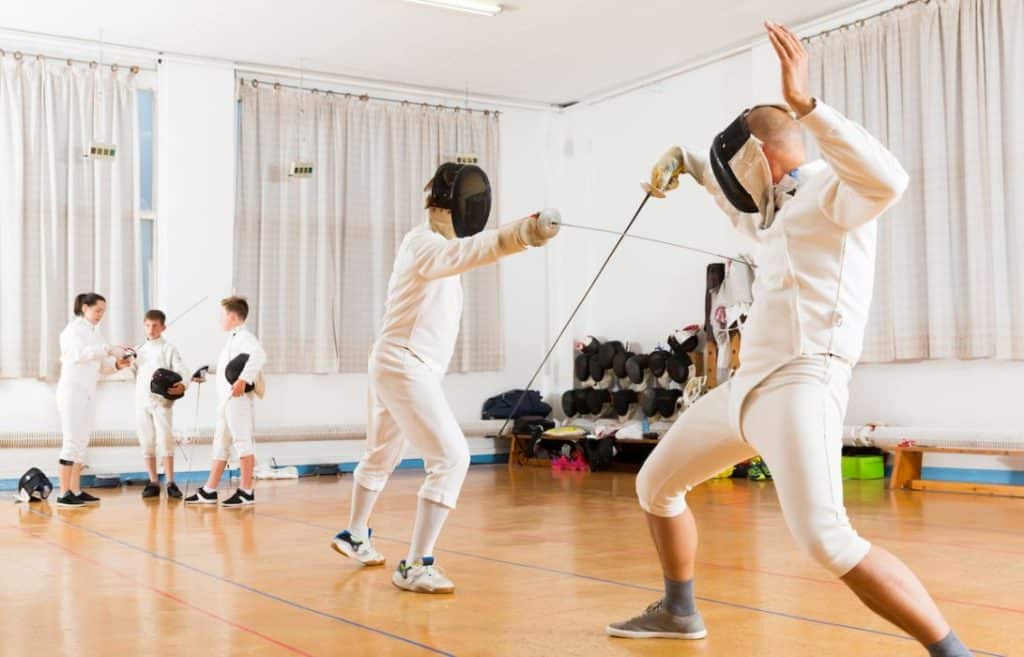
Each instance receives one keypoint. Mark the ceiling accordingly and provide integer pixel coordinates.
(551, 51)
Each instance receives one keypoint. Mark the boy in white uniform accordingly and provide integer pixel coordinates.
(815, 224)
(409, 359)
(237, 381)
(153, 412)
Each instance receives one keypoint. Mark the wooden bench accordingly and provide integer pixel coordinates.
(907, 474)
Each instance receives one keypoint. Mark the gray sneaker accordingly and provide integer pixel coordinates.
(658, 623)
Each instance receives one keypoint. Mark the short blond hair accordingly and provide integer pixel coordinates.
(236, 305)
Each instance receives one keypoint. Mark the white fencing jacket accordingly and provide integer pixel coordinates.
(154, 355)
(240, 341)
(424, 304)
(816, 261)
(84, 354)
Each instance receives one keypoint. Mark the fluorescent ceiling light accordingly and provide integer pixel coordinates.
(468, 6)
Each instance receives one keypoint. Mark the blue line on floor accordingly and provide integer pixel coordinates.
(245, 587)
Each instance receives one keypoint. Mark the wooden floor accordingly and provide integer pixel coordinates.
(541, 562)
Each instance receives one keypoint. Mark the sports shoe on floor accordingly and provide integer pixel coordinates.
(201, 497)
(422, 577)
(362, 551)
(173, 492)
(758, 471)
(239, 499)
(87, 499)
(152, 489)
(658, 623)
(70, 501)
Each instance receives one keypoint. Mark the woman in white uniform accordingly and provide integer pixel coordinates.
(815, 225)
(407, 364)
(84, 356)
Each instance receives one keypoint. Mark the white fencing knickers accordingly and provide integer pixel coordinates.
(153, 421)
(794, 419)
(406, 402)
(76, 404)
(234, 428)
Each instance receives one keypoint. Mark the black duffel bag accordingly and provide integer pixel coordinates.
(500, 406)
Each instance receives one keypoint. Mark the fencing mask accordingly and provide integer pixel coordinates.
(465, 190)
(234, 368)
(161, 382)
(742, 170)
(33, 486)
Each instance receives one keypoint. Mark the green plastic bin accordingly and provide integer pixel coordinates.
(863, 467)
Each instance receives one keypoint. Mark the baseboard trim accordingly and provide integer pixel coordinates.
(200, 476)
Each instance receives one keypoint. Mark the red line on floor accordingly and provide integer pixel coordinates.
(170, 596)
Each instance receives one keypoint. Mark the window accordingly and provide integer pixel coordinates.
(146, 213)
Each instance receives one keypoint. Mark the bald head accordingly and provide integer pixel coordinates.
(780, 132)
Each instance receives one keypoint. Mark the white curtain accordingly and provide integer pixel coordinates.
(67, 223)
(314, 254)
(941, 83)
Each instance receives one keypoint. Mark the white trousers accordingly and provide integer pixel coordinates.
(234, 428)
(794, 419)
(76, 405)
(154, 424)
(406, 402)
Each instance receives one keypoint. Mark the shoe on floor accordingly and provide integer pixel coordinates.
(87, 499)
(173, 492)
(362, 551)
(152, 489)
(239, 499)
(658, 623)
(422, 577)
(201, 497)
(70, 501)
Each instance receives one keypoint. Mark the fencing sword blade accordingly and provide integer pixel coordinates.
(572, 316)
(659, 241)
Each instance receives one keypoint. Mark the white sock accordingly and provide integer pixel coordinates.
(247, 492)
(209, 491)
(363, 500)
(430, 517)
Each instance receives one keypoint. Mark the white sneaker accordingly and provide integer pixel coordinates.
(362, 551)
(422, 577)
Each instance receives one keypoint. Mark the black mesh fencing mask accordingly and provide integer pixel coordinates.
(466, 191)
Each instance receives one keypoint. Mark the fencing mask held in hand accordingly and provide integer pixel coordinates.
(466, 191)
(234, 368)
(162, 380)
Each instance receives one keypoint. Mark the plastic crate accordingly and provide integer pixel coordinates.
(863, 467)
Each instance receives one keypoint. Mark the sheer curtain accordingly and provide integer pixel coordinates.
(314, 254)
(67, 223)
(940, 82)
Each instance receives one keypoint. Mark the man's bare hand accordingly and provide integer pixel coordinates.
(796, 85)
(177, 389)
(238, 388)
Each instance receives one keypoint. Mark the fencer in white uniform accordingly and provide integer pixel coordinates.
(409, 359)
(85, 356)
(234, 427)
(815, 227)
(154, 413)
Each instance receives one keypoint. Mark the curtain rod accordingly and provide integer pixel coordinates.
(18, 56)
(860, 22)
(364, 97)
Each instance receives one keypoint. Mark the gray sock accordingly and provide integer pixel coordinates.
(679, 598)
(951, 646)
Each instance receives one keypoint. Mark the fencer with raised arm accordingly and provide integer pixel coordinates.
(815, 227)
